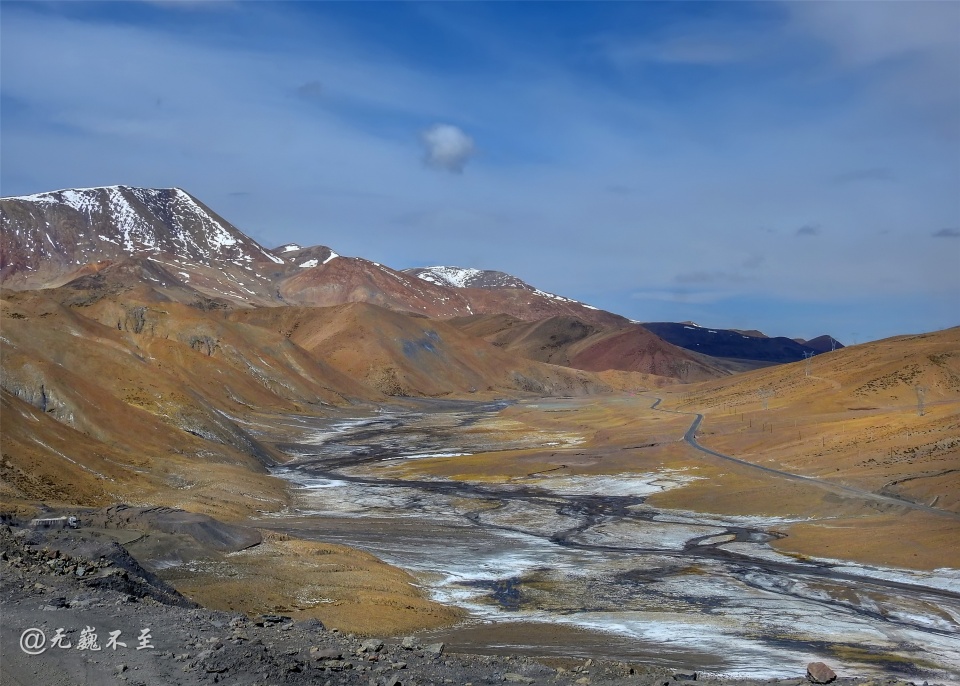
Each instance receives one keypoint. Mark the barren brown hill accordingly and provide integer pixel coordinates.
(404, 354)
(534, 305)
(854, 419)
(591, 346)
(139, 400)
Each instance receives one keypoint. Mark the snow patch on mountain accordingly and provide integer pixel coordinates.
(554, 296)
(80, 201)
(150, 220)
(458, 277)
(465, 277)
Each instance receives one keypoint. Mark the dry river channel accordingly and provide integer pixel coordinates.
(582, 566)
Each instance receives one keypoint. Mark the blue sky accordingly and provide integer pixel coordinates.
(792, 167)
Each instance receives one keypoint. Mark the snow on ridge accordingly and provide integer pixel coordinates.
(80, 201)
(48, 196)
(136, 213)
(310, 263)
(128, 221)
(273, 258)
(330, 257)
(290, 247)
(554, 296)
(464, 277)
(218, 235)
(458, 277)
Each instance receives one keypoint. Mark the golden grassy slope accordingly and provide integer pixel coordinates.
(140, 403)
(854, 420)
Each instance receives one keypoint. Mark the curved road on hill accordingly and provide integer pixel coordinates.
(690, 437)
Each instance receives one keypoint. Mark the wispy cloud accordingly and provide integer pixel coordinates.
(906, 55)
(947, 233)
(683, 50)
(594, 181)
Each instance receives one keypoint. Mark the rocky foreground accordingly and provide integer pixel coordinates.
(78, 610)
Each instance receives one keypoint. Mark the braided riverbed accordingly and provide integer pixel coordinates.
(580, 564)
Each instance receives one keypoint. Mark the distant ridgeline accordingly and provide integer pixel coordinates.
(733, 344)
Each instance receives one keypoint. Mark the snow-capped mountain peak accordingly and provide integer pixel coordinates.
(80, 225)
(468, 277)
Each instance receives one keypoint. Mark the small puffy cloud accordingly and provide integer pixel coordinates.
(947, 233)
(809, 230)
(447, 147)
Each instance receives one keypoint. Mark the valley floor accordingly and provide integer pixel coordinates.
(575, 529)
(548, 519)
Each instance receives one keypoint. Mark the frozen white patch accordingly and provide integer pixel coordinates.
(638, 485)
(309, 263)
(458, 277)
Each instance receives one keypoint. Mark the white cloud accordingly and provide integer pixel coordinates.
(447, 147)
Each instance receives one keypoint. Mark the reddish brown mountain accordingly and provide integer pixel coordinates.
(49, 239)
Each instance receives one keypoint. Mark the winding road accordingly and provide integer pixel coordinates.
(690, 437)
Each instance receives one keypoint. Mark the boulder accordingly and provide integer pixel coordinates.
(819, 673)
(318, 653)
(372, 645)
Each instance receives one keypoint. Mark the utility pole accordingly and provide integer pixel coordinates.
(921, 390)
(807, 355)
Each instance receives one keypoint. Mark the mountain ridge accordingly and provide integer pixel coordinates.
(167, 244)
(50, 238)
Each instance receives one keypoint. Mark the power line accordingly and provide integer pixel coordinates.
(765, 394)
